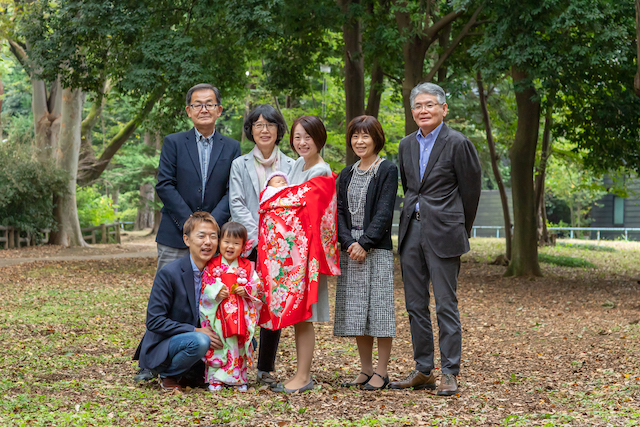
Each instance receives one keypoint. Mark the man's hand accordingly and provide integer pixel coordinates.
(241, 292)
(216, 343)
(356, 252)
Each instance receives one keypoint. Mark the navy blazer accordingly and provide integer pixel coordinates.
(180, 183)
(172, 310)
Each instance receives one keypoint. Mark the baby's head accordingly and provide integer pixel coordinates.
(277, 179)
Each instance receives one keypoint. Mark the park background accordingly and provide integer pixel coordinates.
(544, 89)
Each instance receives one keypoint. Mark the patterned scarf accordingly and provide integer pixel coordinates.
(265, 167)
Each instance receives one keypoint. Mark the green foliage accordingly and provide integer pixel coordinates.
(27, 189)
(565, 261)
(93, 207)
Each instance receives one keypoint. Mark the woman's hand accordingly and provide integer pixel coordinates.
(356, 252)
(241, 292)
(224, 293)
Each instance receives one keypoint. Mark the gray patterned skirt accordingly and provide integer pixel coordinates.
(364, 296)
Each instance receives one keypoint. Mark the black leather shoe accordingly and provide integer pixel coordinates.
(145, 375)
(355, 383)
(369, 387)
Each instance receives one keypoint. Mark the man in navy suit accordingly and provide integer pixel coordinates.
(193, 174)
(174, 342)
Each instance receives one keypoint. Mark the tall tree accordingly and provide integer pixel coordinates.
(577, 48)
(637, 77)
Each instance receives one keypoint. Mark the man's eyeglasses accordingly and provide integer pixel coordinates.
(422, 107)
(259, 126)
(208, 106)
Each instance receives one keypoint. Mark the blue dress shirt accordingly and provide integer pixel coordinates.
(426, 146)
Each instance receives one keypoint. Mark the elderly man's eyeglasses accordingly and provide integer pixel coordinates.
(422, 107)
(259, 126)
(208, 106)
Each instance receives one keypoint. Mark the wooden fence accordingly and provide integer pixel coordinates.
(11, 237)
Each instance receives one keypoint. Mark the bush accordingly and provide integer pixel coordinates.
(27, 188)
(93, 208)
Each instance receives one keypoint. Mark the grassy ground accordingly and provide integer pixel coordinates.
(563, 349)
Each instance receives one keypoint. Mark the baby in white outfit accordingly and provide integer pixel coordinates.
(275, 183)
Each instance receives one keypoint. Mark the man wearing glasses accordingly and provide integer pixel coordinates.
(193, 175)
(440, 173)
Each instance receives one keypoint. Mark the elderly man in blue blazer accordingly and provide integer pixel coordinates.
(174, 341)
(440, 173)
(193, 174)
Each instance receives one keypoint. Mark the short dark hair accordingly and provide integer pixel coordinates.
(271, 115)
(369, 125)
(198, 218)
(314, 128)
(204, 86)
(234, 229)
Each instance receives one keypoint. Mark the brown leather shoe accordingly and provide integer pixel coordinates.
(170, 383)
(415, 380)
(448, 385)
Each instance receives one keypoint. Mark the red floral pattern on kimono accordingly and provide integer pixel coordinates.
(297, 242)
(234, 319)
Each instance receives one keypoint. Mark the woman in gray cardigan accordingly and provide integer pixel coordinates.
(265, 127)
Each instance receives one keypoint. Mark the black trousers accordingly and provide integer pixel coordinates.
(420, 265)
(269, 340)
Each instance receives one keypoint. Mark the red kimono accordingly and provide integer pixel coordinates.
(297, 242)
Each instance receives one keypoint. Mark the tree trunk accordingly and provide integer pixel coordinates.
(543, 237)
(444, 40)
(636, 84)
(494, 165)
(375, 89)
(46, 117)
(415, 48)
(524, 260)
(67, 154)
(353, 67)
(144, 215)
(157, 213)
(1, 98)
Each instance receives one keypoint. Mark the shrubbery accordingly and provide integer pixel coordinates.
(93, 207)
(27, 188)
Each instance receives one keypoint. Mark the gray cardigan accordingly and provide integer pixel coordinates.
(244, 192)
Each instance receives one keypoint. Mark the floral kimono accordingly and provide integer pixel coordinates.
(234, 319)
(297, 242)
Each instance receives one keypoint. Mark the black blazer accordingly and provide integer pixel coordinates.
(180, 183)
(172, 310)
(448, 193)
(378, 210)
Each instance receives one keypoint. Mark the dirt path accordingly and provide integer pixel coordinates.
(135, 244)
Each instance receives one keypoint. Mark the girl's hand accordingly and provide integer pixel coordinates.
(241, 292)
(224, 293)
(356, 252)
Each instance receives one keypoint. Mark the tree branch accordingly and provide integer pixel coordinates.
(87, 174)
(445, 55)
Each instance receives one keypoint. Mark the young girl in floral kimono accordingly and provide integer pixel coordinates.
(230, 304)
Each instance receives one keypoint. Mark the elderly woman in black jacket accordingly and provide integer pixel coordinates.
(364, 294)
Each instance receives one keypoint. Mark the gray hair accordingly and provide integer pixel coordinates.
(430, 89)
(204, 86)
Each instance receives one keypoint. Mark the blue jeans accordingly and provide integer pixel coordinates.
(184, 351)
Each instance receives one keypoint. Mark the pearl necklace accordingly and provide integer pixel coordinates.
(365, 187)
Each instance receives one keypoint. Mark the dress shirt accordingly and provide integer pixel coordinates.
(204, 152)
(426, 146)
(197, 280)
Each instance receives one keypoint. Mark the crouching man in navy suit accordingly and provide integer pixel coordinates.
(174, 342)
